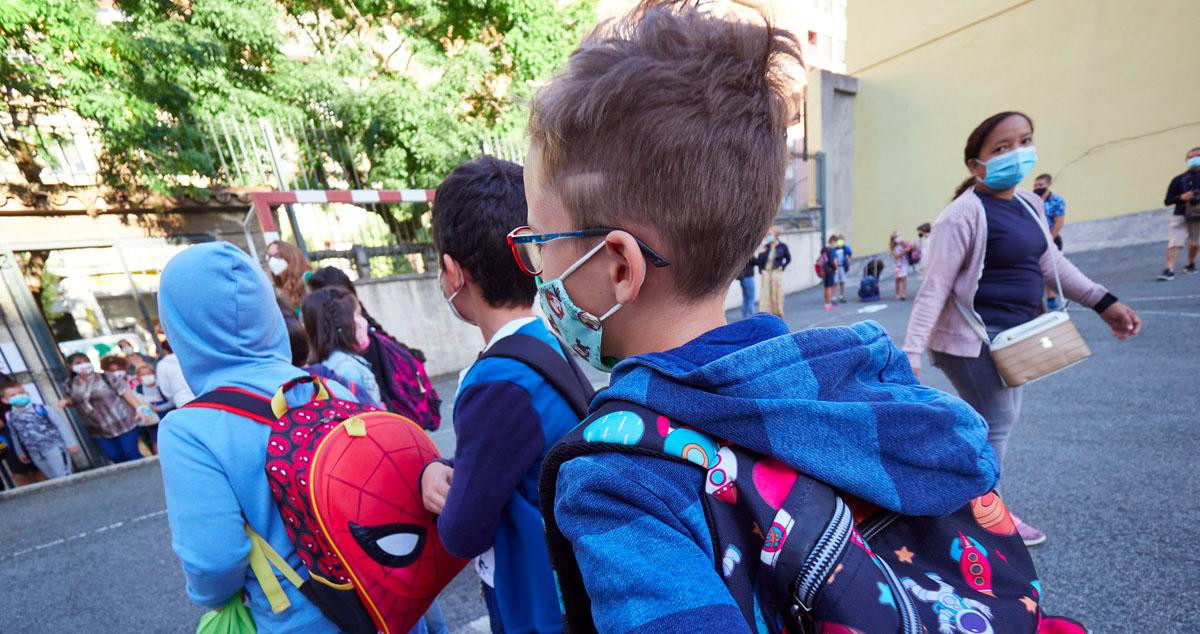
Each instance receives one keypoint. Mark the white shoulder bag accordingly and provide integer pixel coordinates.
(1039, 347)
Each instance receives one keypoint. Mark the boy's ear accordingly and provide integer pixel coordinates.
(628, 270)
(457, 276)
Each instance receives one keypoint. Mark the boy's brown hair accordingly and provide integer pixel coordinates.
(674, 120)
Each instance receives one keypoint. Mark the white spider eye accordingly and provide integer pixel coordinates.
(399, 544)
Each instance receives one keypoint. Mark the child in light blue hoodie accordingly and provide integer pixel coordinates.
(337, 333)
(219, 312)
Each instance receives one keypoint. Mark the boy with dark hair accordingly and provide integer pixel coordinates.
(656, 165)
(512, 405)
(1056, 216)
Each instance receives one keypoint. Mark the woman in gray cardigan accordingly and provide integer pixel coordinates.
(989, 256)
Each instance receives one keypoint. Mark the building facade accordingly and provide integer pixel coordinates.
(1110, 85)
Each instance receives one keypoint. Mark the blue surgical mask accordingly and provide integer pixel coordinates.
(578, 329)
(19, 401)
(1194, 162)
(1009, 169)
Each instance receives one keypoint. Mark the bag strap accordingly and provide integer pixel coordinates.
(262, 559)
(558, 369)
(972, 318)
(237, 401)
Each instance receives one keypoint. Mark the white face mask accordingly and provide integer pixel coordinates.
(277, 265)
(82, 368)
(149, 380)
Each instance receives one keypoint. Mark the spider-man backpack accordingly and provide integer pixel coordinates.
(346, 478)
(799, 557)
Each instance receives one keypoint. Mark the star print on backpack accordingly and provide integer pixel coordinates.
(346, 480)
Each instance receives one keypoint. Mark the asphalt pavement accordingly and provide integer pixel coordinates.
(1103, 459)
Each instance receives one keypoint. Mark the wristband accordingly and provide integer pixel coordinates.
(1108, 300)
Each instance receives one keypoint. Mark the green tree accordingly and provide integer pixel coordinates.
(468, 67)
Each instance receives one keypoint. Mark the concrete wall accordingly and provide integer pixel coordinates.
(1110, 85)
(831, 131)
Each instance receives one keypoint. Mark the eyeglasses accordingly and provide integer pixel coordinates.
(527, 246)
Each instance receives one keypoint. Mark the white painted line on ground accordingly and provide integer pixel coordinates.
(481, 624)
(95, 531)
(873, 308)
(1168, 313)
(1160, 298)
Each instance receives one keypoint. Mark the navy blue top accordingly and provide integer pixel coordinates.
(1012, 285)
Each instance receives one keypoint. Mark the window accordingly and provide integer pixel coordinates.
(825, 51)
(839, 52)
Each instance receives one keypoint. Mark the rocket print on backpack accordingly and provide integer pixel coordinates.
(346, 479)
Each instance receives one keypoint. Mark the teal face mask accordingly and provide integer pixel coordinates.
(1009, 169)
(1194, 162)
(20, 400)
(578, 329)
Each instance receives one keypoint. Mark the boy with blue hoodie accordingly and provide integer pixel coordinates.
(219, 311)
(656, 165)
(512, 405)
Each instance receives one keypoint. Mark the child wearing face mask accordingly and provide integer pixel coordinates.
(338, 334)
(153, 405)
(38, 436)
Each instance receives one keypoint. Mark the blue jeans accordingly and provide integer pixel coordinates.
(55, 462)
(433, 622)
(122, 448)
(977, 382)
(748, 296)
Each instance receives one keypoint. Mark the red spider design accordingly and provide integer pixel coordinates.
(365, 491)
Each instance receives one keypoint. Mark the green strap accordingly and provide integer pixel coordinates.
(262, 558)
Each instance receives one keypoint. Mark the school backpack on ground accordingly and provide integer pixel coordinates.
(868, 289)
(809, 559)
(914, 255)
(408, 390)
(346, 478)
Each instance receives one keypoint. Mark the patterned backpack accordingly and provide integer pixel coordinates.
(408, 390)
(346, 479)
(810, 560)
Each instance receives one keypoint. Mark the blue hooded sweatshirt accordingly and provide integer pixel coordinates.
(839, 404)
(221, 318)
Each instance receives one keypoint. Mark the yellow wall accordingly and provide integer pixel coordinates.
(1111, 86)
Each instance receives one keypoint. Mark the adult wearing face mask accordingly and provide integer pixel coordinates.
(288, 267)
(773, 258)
(106, 405)
(990, 263)
(1184, 194)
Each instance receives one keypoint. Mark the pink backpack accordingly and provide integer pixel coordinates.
(408, 392)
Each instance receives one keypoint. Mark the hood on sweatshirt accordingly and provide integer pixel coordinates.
(220, 315)
(839, 404)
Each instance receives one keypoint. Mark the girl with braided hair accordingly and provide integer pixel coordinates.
(338, 334)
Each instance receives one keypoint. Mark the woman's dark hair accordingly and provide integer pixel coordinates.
(297, 337)
(329, 322)
(333, 277)
(76, 355)
(978, 136)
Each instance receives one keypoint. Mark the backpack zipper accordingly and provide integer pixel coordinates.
(909, 620)
(824, 556)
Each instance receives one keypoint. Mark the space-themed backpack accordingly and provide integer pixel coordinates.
(799, 557)
(346, 478)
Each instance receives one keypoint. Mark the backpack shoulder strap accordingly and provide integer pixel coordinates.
(558, 369)
(237, 401)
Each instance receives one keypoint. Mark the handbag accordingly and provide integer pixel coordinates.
(1039, 347)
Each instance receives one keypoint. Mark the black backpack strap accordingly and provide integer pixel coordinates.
(237, 401)
(737, 522)
(559, 370)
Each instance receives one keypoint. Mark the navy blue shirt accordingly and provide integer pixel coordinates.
(1012, 285)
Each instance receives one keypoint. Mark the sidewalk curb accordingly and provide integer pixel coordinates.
(83, 476)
